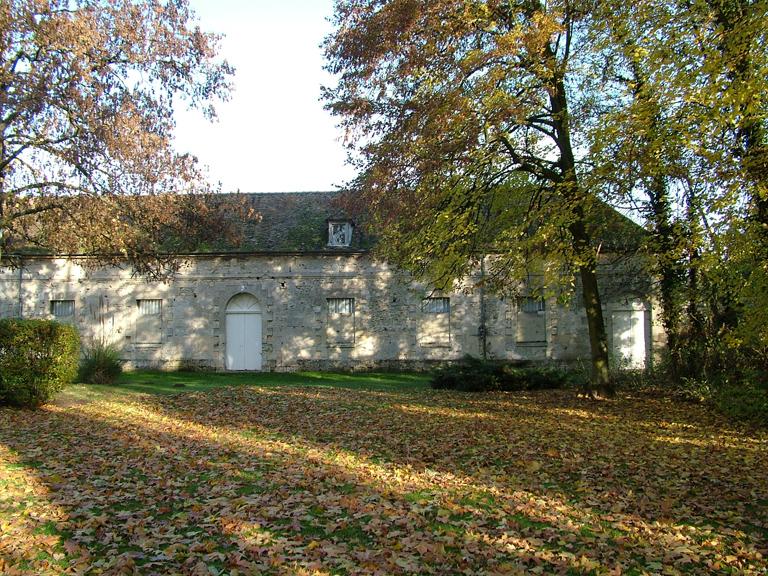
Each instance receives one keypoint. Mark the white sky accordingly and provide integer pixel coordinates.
(273, 134)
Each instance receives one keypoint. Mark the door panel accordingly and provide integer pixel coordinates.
(629, 338)
(252, 342)
(243, 346)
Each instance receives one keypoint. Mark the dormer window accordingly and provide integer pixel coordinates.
(339, 233)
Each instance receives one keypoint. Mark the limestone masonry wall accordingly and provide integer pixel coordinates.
(388, 324)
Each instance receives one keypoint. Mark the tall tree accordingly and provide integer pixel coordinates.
(684, 125)
(638, 141)
(87, 94)
(461, 115)
(740, 44)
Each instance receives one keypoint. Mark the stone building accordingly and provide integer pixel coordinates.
(305, 293)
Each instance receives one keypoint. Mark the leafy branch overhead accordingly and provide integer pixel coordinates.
(502, 127)
(466, 128)
(87, 94)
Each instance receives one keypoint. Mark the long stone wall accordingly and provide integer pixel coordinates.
(388, 324)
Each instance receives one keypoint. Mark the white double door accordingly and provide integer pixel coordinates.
(243, 333)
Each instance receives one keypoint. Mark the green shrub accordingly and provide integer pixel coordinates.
(744, 398)
(100, 365)
(37, 359)
(745, 403)
(741, 392)
(474, 375)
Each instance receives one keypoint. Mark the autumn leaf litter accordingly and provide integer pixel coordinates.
(335, 481)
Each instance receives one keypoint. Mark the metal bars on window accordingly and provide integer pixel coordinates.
(343, 306)
(531, 305)
(63, 308)
(436, 305)
(149, 307)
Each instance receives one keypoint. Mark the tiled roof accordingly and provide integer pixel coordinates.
(295, 221)
(298, 222)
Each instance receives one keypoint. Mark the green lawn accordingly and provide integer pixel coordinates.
(373, 474)
(147, 382)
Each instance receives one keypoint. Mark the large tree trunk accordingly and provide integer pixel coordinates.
(755, 163)
(601, 383)
(666, 239)
(693, 347)
(586, 254)
(598, 341)
(666, 243)
(2, 187)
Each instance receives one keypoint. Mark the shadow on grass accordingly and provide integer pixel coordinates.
(151, 382)
(642, 458)
(134, 490)
(284, 478)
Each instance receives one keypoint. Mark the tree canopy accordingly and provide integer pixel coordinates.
(465, 119)
(502, 126)
(87, 94)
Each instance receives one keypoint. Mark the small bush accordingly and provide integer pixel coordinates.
(745, 403)
(37, 359)
(100, 365)
(474, 375)
(741, 393)
(745, 398)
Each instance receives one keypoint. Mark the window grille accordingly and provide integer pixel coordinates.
(344, 306)
(149, 307)
(339, 233)
(436, 305)
(62, 308)
(531, 305)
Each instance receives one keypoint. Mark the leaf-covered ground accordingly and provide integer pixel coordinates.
(308, 480)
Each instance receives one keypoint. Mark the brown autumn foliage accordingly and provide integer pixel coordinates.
(87, 94)
(460, 105)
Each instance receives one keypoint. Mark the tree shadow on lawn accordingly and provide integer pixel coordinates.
(283, 480)
(176, 382)
(642, 459)
(134, 490)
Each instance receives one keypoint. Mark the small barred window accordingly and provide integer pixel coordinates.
(436, 305)
(149, 307)
(343, 306)
(63, 308)
(531, 305)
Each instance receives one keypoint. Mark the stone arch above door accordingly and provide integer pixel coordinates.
(243, 303)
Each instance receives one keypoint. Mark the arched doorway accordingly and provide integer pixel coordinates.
(243, 329)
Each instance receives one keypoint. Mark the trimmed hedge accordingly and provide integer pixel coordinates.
(37, 359)
(474, 375)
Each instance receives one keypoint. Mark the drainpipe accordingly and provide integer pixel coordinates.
(21, 299)
(482, 330)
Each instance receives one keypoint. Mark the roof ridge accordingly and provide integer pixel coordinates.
(284, 193)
